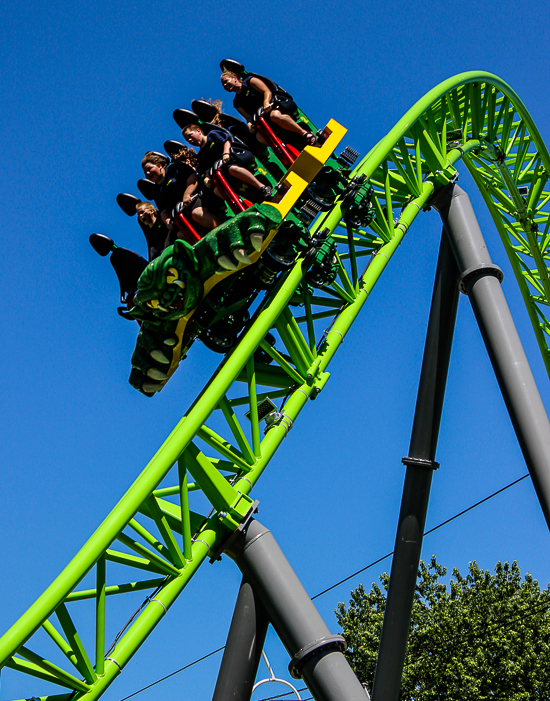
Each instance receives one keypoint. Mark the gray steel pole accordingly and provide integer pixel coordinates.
(480, 280)
(316, 655)
(418, 478)
(243, 649)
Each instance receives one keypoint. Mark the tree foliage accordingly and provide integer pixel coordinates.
(484, 637)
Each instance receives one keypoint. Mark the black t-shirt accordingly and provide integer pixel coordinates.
(249, 99)
(212, 151)
(155, 236)
(170, 191)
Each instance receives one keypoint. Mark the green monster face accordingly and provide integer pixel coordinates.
(172, 285)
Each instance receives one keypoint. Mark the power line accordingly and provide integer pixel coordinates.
(204, 657)
(280, 696)
(288, 693)
(494, 494)
(472, 635)
(342, 581)
(440, 525)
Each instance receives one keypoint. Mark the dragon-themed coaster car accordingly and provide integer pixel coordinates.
(205, 284)
(183, 294)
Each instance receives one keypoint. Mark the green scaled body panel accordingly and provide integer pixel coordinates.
(173, 284)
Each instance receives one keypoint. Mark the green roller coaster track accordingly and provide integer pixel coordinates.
(154, 532)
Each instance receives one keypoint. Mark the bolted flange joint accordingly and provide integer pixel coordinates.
(420, 462)
(477, 272)
(330, 642)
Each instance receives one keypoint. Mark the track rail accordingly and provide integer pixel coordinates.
(153, 536)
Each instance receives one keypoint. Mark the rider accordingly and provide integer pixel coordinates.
(252, 94)
(154, 229)
(216, 146)
(172, 181)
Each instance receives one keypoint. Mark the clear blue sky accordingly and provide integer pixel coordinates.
(87, 88)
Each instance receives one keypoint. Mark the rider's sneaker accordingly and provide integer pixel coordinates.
(266, 191)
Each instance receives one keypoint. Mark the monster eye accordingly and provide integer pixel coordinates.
(173, 278)
(153, 303)
(172, 275)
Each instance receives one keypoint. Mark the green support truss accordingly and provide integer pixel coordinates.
(153, 533)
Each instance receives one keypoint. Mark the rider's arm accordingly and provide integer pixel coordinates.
(226, 155)
(166, 218)
(221, 138)
(260, 86)
(192, 186)
(248, 117)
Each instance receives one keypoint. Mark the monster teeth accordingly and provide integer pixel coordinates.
(256, 240)
(150, 387)
(170, 341)
(179, 283)
(162, 309)
(226, 263)
(159, 356)
(240, 255)
(156, 374)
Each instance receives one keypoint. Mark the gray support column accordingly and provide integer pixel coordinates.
(315, 653)
(480, 280)
(243, 649)
(418, 478)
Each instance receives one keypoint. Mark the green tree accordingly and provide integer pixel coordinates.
(483, 637)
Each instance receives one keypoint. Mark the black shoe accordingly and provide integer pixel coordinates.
(266, 191)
